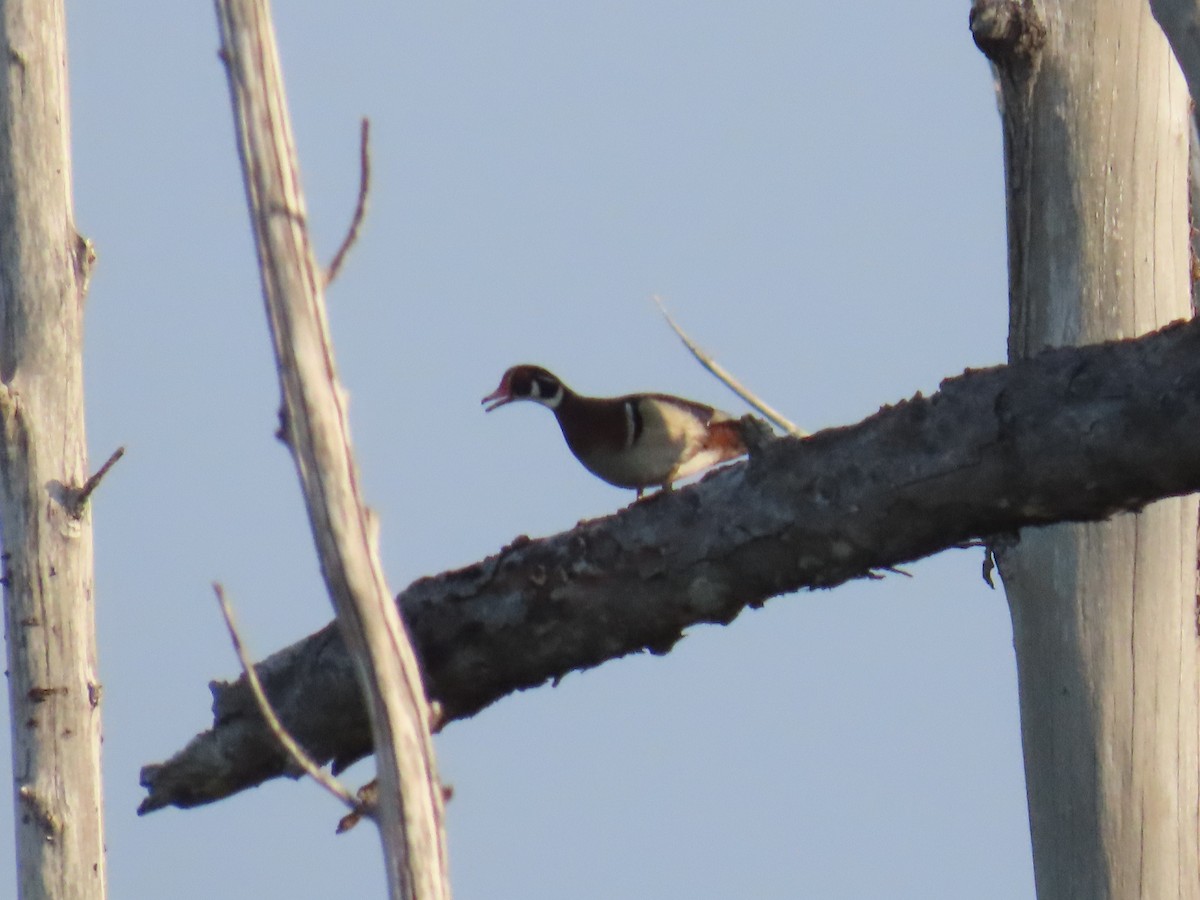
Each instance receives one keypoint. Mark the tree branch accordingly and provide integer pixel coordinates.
(316, 429)
(1075, 434)
(718, 371)
(301, 759)
(360, 207)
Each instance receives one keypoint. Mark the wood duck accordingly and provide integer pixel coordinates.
(636, 441)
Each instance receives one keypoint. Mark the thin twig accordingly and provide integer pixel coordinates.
(289, 744)
(360, 209)
(730, 382)
(81, 498)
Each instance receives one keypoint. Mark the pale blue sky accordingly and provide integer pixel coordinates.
(815, 188)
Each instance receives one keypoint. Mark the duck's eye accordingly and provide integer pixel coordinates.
(520, 385)
(544, 387)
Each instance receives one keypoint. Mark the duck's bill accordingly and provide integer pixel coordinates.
(496, 399)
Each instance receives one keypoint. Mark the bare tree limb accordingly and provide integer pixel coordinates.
(81, 497)
(718, 371)
(1073, 434)
(331, 785)
(360, 208)
(316, 429)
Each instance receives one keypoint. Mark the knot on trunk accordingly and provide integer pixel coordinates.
(1008, 32)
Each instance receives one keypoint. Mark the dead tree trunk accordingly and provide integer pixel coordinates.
(47, 535)
(1095, 116)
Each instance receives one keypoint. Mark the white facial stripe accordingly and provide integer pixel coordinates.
(631, 424)
(552, 401)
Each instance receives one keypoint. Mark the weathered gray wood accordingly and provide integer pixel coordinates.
(316, 428)
(1072, 434)
(1096, 121)
(47, 534)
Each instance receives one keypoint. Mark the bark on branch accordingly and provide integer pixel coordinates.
(1074, 434)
